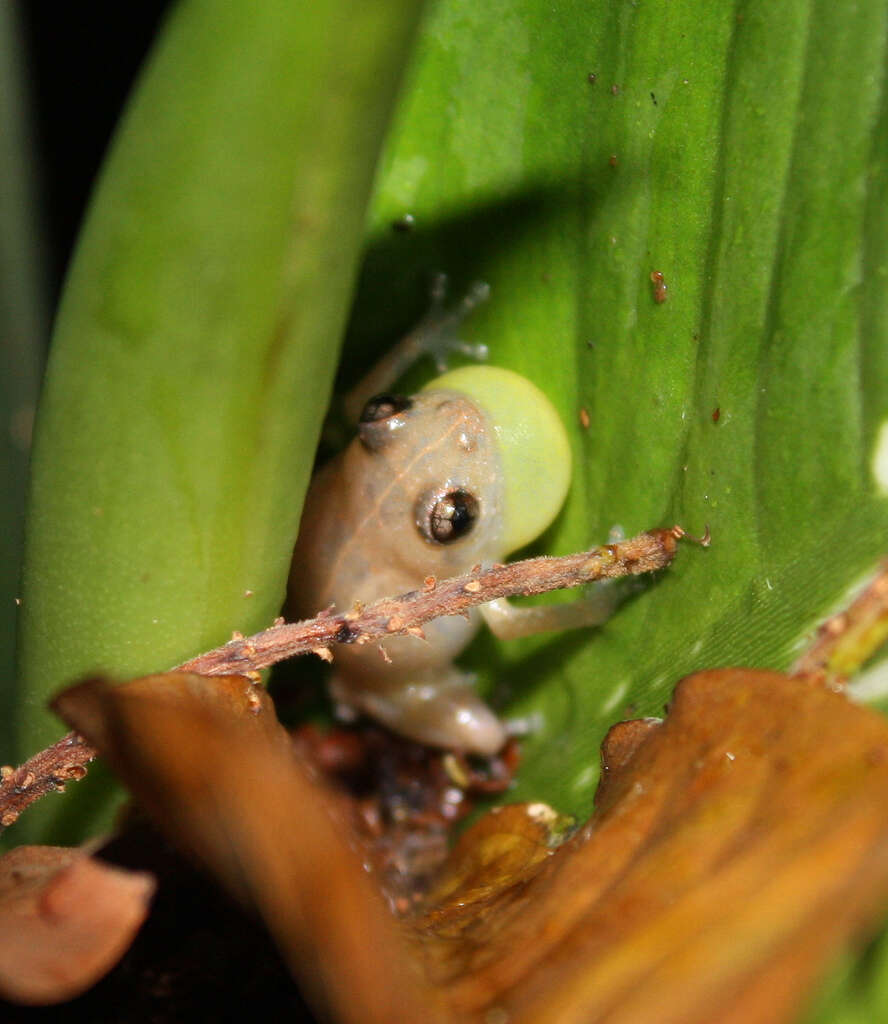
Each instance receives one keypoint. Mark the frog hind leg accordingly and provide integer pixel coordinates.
(440, 712)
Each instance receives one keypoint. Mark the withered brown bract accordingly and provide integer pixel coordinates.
(209, 760)
(736, 847)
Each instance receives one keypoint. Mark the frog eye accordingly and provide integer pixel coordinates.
(380, 407)
(446, 517)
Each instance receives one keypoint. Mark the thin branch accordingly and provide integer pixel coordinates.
(66, 759)
(47, 772)
(406, 614)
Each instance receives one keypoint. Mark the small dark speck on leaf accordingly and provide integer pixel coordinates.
(716, 414)
(405, 223)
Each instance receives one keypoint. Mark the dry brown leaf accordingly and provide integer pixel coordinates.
(503, 850)
(208, 759)
(735, 847)
(65, 920)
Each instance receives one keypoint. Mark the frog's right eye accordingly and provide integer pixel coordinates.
(532, 443)
(380, 407)
(445, 517)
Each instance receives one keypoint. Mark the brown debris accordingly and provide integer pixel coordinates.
(736, 847)
(401, 798)
(226, 786)
(660, 288)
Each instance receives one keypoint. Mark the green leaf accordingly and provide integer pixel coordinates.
(23, 329)
(740, 150)
(856, 991)
(196, 342)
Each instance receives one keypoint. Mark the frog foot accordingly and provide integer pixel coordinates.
(449, 714)
(436, 334)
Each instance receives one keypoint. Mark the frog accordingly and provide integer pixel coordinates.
(473, 467)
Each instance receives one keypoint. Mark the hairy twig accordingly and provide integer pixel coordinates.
(67, 759)
(47, 772)
(407, 614)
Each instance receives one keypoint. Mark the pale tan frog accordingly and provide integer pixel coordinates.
(473, 467)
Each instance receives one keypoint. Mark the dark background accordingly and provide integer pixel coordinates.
(81, 60)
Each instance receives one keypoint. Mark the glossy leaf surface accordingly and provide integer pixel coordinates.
(739, 150)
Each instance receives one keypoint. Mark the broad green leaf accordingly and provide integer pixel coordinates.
(857, 990)
(740, 150)
(197, 339)
(23, 327)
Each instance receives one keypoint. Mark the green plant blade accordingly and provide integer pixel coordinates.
(740, 151)
(856, 991)
(23, 327)
(195, 346)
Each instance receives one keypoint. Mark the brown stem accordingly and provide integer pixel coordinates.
(67, 759)
(846, 640)
(407, 613)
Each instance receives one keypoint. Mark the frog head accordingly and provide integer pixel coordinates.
(531, 442)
